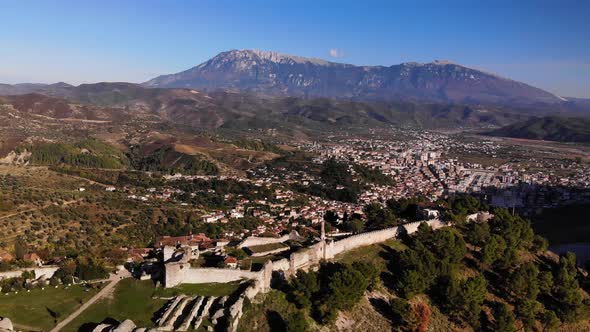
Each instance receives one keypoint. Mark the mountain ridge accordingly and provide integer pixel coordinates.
(276, 73)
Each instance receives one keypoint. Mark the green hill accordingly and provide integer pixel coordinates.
(550, 128)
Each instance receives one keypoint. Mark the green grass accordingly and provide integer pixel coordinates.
(131, 299)
(210, 289)
(371, 254)
(32, 311)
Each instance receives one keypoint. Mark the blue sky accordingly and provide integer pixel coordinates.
(543, 43)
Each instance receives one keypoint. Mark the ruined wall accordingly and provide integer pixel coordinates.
(181, 273)
(256, 241)
(270, 252)
(45, 272)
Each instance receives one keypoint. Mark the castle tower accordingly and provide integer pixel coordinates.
(323, 240)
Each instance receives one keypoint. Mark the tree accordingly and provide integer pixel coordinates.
(540, 244)
(526, 310)
(297, 322)
(238, 253)
(493, 250)
(545, 282)
(402, 315)
(549, 321)
(369, 272)
(303, 288)
(477, 233)
(20, 248)
(567, 289)
(504, 318)
(464, 298)
(524, 282)
(331, 217)
(378, 217)
(354, 225)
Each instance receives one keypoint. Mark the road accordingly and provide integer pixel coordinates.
(115, 278)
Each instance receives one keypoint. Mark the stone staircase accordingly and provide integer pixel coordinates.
(184, 312)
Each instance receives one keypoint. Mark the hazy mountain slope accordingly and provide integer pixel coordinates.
(551, 128)
(279, 74)
(236, 110)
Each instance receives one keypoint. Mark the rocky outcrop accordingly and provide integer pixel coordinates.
(6, 325)
(14, 158)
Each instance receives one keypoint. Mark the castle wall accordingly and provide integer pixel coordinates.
(46, 272)
(256, 241)
(181, 273)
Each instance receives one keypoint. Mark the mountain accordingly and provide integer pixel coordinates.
(550, 128)
(274, 73)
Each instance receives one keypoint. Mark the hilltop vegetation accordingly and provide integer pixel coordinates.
(551, 128)
(168, 160)
(90, 153)
(493, 276)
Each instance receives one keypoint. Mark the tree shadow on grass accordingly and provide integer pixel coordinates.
(275, 321)
(383, 307)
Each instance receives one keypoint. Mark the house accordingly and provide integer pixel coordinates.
(192, 241)
(428, 214)
(138, 254)
(231, 262)
(33, 258)
(6, 257)
(110, 188)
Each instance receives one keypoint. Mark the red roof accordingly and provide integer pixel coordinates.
(231, 260)
(32, 257)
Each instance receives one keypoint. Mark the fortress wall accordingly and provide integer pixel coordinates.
(281, 265)
(256, 241)
(179, 273)
(45, 272)
(360, 240)
(270, 252)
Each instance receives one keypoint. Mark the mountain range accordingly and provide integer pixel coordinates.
(274, 73)
(246, 90)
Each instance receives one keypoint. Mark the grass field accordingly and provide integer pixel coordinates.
(38, 309)
(371, 254)
(140, 300)
(131, 299)
(211, 289)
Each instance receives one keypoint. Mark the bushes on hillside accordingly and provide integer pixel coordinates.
(334, 287)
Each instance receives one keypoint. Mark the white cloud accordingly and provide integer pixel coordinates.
(336, 53)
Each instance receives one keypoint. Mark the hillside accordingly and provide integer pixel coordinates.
(287, 75)
(239, 110)
(550, 128)
(494, 276)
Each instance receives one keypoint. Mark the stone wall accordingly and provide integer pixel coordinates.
(369, 238)
(45, 272)
(183, 273)
(252, 241)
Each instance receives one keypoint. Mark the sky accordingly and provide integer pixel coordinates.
(542, 43)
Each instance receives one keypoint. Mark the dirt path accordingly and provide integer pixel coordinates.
(115, 278)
